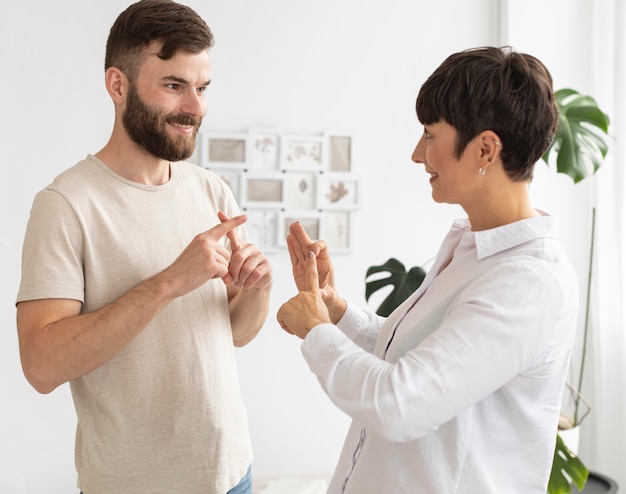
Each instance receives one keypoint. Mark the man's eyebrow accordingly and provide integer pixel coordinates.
(180, 80)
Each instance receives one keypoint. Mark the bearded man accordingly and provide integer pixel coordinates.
(138, 280)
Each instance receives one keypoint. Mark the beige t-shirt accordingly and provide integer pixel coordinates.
(165, 415)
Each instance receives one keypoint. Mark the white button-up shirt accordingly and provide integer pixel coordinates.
(459, 390)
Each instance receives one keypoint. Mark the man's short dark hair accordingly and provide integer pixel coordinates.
(176, 27)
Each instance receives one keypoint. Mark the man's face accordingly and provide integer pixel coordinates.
(164, 119)
(146, 126)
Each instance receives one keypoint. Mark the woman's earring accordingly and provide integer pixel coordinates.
(481, 170)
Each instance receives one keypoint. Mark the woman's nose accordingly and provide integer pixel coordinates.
(418, 152)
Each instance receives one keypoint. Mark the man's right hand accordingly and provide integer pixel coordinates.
(205, 258)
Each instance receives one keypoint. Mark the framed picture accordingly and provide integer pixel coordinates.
(337, 230)
(226, 151)
(263, 190)
(339, 153)
(263, 150)
(338, 191)
(311, 221)
(196, 157)
(262, 228)
(232, 179)
(302, 153)
(301, 190)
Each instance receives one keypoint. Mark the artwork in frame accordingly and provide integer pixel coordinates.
(336, 230)
(196, 156)
(302, 153)
(232, 179)
(263, 190)
(263, 150)
(310, 220)
(226, 151)
(338, 191)
(339, 153)
(262, 228)
(300, 190)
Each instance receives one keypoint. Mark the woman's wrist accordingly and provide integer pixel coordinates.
(337, 309)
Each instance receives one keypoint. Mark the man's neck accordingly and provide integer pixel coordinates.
(134, 164)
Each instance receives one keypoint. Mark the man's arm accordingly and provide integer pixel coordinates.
(58, 344)
(248, 311)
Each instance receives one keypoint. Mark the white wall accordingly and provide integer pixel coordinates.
(298, 65)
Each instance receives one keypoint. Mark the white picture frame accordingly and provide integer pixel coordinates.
(301, 190)
(263, 190)
(262, 228)
(224, 150)
(310, 220)
(338, 191)
(337, 228)
(339, 152)
(303, 152)
(197, 156)
(264, 150)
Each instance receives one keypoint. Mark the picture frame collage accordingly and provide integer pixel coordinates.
(278, 178)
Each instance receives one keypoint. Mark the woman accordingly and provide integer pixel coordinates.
(459, 390)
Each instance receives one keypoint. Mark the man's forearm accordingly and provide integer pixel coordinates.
(58, 344)
(248, 312)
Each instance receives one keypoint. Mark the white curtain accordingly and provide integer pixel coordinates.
(603, 436)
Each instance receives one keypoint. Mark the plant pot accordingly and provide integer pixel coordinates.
(571, 438)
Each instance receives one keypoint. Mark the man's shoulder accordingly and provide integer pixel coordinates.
(80, 175)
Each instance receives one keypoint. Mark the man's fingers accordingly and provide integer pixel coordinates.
(227, 226)
(235, 241)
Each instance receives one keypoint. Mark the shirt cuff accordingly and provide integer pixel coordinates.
(324, 346)
(353, 321)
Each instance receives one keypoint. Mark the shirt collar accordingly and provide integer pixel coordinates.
(494, 240)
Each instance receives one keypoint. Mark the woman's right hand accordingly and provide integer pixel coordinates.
(300, 244)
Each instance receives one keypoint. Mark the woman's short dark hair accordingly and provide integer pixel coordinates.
(494, 89)
(177, 27)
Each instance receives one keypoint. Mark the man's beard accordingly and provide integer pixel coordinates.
(146, 126)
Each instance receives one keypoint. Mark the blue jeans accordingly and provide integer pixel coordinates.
(244, 486)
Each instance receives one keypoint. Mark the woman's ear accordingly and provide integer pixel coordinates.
(490, 145)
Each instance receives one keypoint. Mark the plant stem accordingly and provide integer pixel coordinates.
(586, 328)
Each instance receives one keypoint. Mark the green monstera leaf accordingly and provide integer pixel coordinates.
(404, 283)
(581, 141)
(566, 468)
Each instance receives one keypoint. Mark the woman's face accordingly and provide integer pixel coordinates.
(452, 179)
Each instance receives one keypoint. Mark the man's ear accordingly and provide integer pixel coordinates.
(116, 84)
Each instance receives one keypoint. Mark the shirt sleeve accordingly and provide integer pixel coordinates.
(361, 326)
(52, 264)
(500, 326)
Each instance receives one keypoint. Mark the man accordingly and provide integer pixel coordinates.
(137, 279)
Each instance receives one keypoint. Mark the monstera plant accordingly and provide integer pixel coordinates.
(581, 142)
(577, 150)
